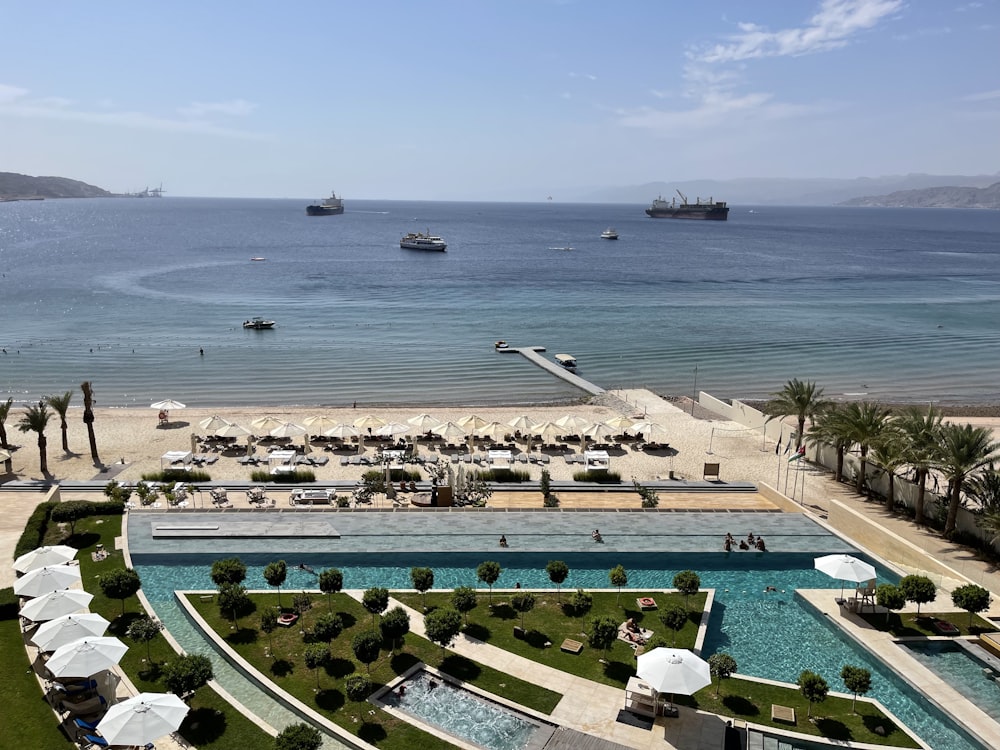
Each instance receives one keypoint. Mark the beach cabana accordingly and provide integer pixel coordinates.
(596, 460)
(176, 460)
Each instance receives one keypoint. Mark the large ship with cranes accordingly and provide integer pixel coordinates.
(672, 209)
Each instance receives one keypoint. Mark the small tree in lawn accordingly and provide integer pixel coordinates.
(464, 599)
(813, 689)
(603, 633)
(918, 589)
(395, 624)
(488, 572)
(298, 737)
(688, 583)
(376, 601)
(619, 578)
(558, 572)
(327, 627)
(187, 673)
(268, 624)
(891, 598)
(442, 625)
(275, 574)
(722, 666)
(367, 645)
(234, 600)
(674, 617)
(315, 656)
(70, 512)
(972, 599)
(423, 581)
(144, 630)
(331, 581)
(120, 584)
(228, 570)
(856, 679)
(523, 603)
(358, 687)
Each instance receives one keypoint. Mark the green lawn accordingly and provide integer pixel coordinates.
(212, 724)
(549, 622)
(280, 657)
(908, 624)
(35, 725)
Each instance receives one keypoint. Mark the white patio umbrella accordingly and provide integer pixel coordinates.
(287, 429)
(546, 430)
(844, 567)
(142, 719)
(598, 431)
(264, 425)
(318, 423)
(342, 430)
(46, 580)
(573, 423)
(471, 422)
(232, 430)
(391, 429)
(368, 422)
(213, 423)
(493, 430)
(68, 628)
(41, 557)
(423, 422)
(620, 423)
(449, 431)
(56, 604)
(167, 404)
(650, 431)
(86, 656)
(673, 670)
(522, 423)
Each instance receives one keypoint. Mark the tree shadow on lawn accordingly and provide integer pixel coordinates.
(330, 699)
(348, 619)
(834, 729)
(460, 668)
(119, 626)
(81, 540)
(619, 671)
(477, 631)
(371, 732)
(872, 723)
(281, 667)
(151, 673)
(339, 667)
(402, 662)
(243, 637)
(203, 726)
(503, 612)
(740, 706)
(537, 639)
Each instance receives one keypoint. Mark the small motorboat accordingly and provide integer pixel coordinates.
(500, 345)
(609, 234)
(561, 248)
(566, 360)
(258, 258)
(258, 324)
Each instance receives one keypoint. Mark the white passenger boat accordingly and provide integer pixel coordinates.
(566, 360)
(609, 234)
(422, 241)
(258, 324)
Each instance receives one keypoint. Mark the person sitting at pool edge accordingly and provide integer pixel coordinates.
(728, 544)
(760, 544)
(503, 540)
(743, 544)
(596, 536)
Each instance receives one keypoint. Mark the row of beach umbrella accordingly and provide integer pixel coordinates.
(77, 647)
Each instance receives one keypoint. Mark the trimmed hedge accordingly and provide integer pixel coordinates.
(598, 477)
(34, 530)
(502, 475)
(299, 476)
(177, 475)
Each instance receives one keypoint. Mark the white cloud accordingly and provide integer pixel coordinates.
(830, 28)
(588, 76)
(982, 96)
(233, 107)
(10, 93)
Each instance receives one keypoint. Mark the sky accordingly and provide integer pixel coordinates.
(493, 100)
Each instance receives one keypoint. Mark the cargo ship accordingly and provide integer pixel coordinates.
(329, 207)
(708, 210)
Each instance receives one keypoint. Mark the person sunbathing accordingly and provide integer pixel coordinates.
(635, 638)
(743, 544)
(631, 626)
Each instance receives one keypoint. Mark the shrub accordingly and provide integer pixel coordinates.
(918, 589)
(550, 501)
(298, 476)
(120, 584)
(409, 475)
(597, 477)
(177, 475)
(971, 598)
(33, 535)
(301, 603)
(299, 737)
(579, 602)
(328, 626)
(187, 673)
(73, 510)
(502, 475)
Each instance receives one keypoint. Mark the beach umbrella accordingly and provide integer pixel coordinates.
(86, 656)
(41, 557)
(287, 429)
(522, 423)
(167, 404)
(673, 670)
(5, 458)
(213, 423)
(56, 604)
(368, 422)
(264, 425)
(391, 429)
(318, 423)
(471, 422)
(142, 719)
(598, 431)
(844, 568)
(573, 423)
(423, 422)
(68, 628)
(493, 430)
(650, 431)
(342, 430)
(232, 430)
(46, 580)
(546, 430)
(449, 430)
(620, 423)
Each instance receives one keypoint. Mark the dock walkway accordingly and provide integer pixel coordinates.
(531, 353)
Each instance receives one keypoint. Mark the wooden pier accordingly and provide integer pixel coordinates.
(531, 353)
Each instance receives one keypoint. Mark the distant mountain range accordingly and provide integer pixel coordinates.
(793, 192)
(939, 197)
(14, 186)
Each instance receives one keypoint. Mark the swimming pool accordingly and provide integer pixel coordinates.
(744, 616)
(974, 678)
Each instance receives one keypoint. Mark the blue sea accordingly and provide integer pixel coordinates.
(890, 304)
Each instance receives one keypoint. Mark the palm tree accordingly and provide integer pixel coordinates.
(799, 399)
(60, 404)
(889, 452)
(866, 421)
(36, 419)
(88, 419)
(920, 429)
(4, 413)
(831, 428)
(962, 450)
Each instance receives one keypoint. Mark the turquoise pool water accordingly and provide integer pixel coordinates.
(769, 634)
(962, 670)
